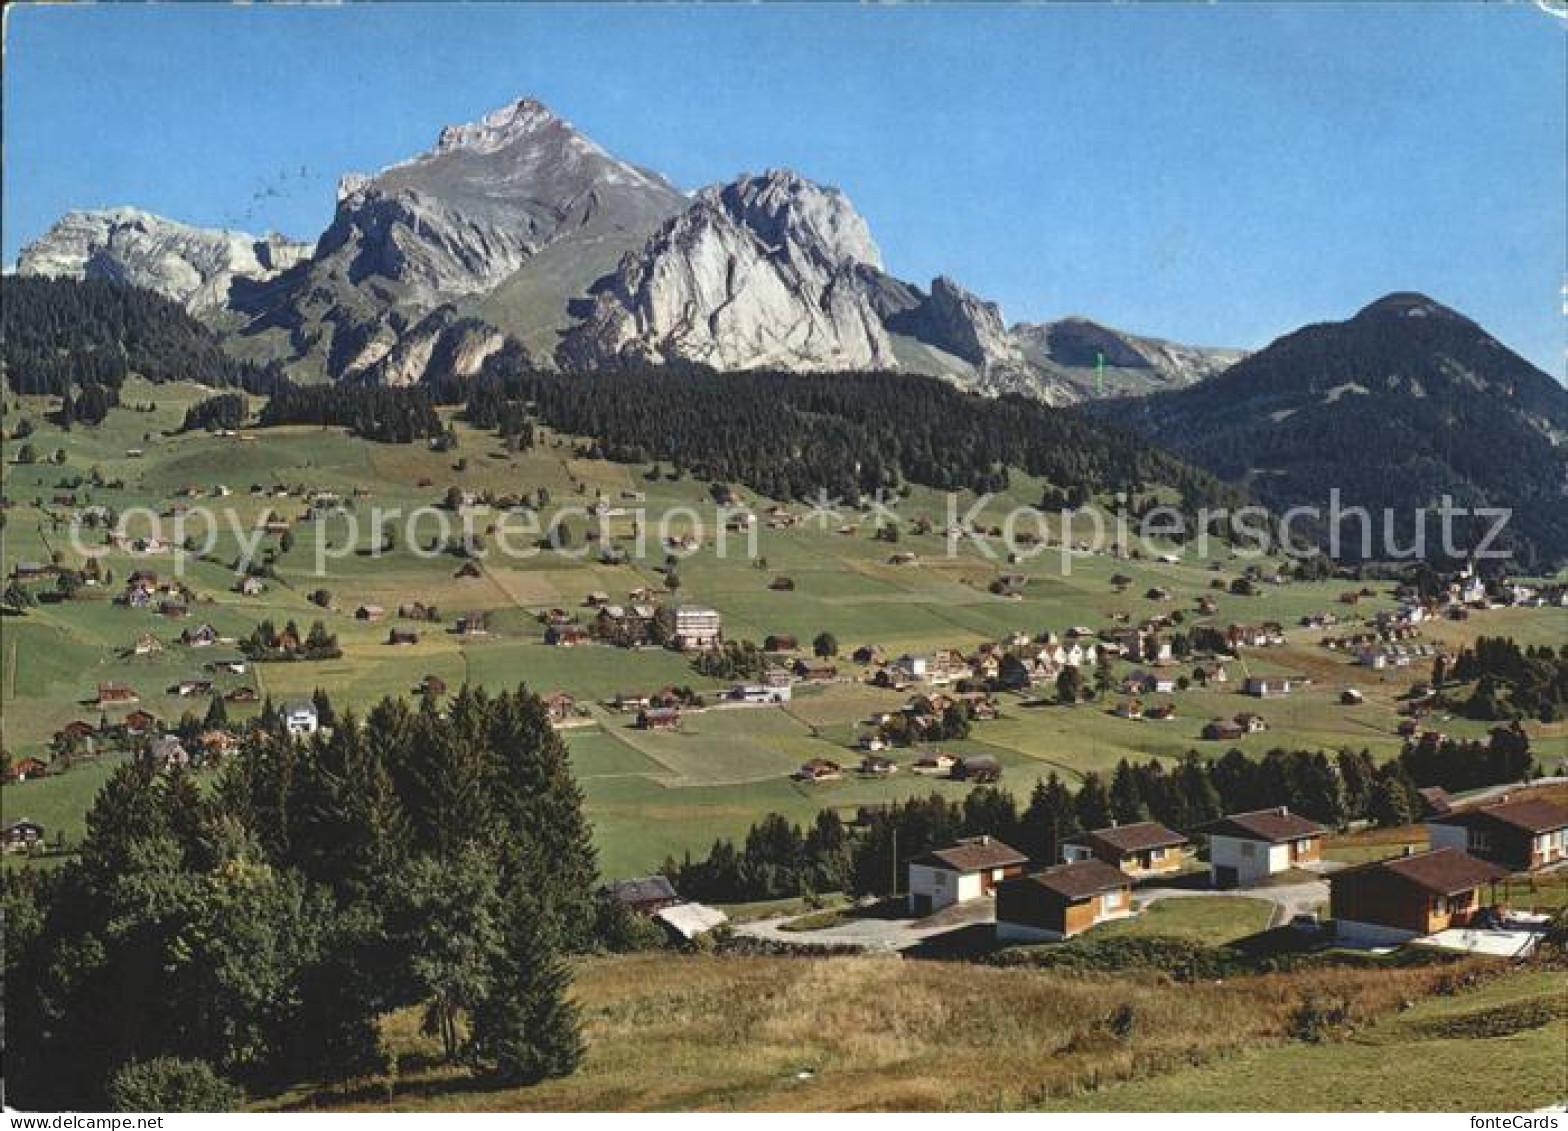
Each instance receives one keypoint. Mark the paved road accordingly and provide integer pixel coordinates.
(1492, 791)
(873, 933)
(1289, 900)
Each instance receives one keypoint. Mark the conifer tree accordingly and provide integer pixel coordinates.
(526, 1029)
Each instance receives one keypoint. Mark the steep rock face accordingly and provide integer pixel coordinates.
(463, 216)
(961, 325)
(1071, 349)
(455, 223)
(763, 272)
(952, 319)
(191, 265)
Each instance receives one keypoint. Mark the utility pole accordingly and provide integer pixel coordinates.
(894, 858)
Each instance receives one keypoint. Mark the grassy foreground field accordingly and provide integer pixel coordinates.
(868, 1034)
(1487, 1050)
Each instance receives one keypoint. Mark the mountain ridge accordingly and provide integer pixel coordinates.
(521, 222)
(1404, 403)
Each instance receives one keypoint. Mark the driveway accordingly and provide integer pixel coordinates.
(1289, 899)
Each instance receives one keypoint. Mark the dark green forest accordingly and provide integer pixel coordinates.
(213, 942)
(1394, 410)
(64, 336)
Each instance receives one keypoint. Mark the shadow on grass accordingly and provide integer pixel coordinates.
(389, 1091)
(966, 943)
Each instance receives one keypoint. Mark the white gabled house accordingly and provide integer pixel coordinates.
(300, 717)
(967, 870)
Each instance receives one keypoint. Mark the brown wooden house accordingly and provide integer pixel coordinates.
(1521, 834)
(644, 895)
(111, 693)
(659, 718)
(1142, 849)
(1389, 901)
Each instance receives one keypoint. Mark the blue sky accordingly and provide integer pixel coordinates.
(1214, 174)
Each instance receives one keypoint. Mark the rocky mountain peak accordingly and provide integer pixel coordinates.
(783, 208)
(195, 266)
(1408, 304)
(500, 128)
(952, 319)
(461, 217)
(762, 271)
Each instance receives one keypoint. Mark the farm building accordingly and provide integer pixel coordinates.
(1421, 893)
(146, 645)
(1061, 902)
(978, 768)
(697, 629)
(168, 752)
(115, 693)
(24, 768)
(935, 762)
(1245, 848)
(658, 718)
(967, 870)
(566, 635)
(1142, 849)
(644, 895)
(20, 835)
(140, 722)
(687, 921)
(560, 706)
(1222, 730)
(873, 766)
(202, 636)
(78, 730)
(819, 769)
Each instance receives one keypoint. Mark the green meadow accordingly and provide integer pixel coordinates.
(649, 795)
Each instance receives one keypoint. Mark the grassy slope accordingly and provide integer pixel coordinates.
(1402, 1062)
(1213, 920)
(682, 1033)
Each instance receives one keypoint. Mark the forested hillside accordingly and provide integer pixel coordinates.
(789, 435)
(1397, 407)
(213, 941)
(63, 336)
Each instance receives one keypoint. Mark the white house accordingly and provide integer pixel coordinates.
(762, 692)
(1245, 848)
(300, 718)
(696, 628)
(1265, 687)
(968, 870)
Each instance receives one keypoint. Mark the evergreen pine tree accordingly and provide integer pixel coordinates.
(525, 1028)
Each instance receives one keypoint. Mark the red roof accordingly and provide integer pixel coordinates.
(1442, 871)
(975, 855)
(1529, 814)
(1080, 880)
(1274, 826)
(1127, 839)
